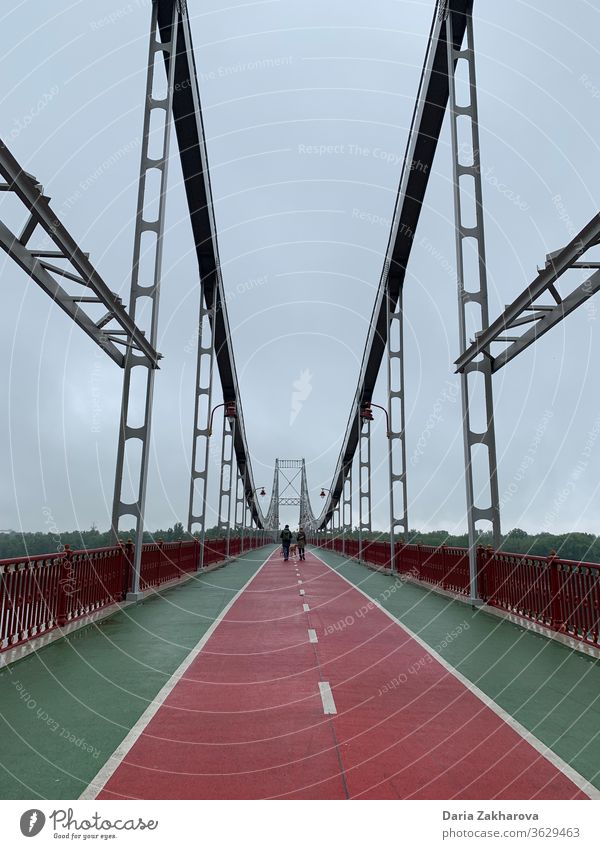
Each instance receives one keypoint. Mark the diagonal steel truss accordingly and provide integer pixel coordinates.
(114, 330)
(527, 314)
(290, 483)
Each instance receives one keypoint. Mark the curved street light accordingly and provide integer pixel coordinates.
(366, 413)
(230, 413)
(325, 489)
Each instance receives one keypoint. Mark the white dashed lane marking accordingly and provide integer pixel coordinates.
(327, 697)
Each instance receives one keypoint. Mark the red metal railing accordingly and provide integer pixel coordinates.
(90, 580)
(162, 562)
(559, 594)
(214, 551)
(42, 592)
(30, 592)
(376, 552)
(443, 566)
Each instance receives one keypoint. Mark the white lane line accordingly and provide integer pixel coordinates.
(305, 608)
(118, 756)
(299, 581)
(327, 697)
(301, 592)
(312, 636)
(550, 755)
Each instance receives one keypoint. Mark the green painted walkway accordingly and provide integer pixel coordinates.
(66, 708)
(552, 690)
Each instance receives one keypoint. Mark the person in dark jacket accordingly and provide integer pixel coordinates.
(286, 538)
(301, 542)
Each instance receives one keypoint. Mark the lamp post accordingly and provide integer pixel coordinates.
(322, 494)
(230, 413)
(365, 418)
(324, 489)
(387, 418)
(261, 494)
(369, 415)
(244, 507)
(227, 462)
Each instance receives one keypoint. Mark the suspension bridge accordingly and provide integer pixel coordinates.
(209, 667)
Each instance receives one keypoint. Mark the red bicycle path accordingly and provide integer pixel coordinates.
(247, 720)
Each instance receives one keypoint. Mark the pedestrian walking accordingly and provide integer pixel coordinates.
(286, 539)
(301, 542)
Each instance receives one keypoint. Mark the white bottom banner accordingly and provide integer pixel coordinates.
(292, 824)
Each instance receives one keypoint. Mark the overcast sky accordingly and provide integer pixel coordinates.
(301, 239)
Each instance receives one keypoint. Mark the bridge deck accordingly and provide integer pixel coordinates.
(441, 702)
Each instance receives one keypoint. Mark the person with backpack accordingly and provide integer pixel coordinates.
(286, 538)
(301, 542)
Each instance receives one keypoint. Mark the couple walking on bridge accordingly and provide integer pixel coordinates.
(287, 542)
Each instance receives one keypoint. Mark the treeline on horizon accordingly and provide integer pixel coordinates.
(570, 546)
(29, 543)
